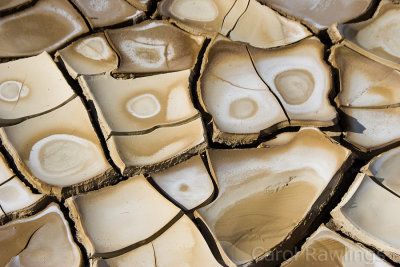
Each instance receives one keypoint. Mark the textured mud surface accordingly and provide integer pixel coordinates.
(199, 133)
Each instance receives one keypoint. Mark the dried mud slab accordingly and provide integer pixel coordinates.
(88, 56)
(249, 90)
(40, 240)
(180, 245)
(158, 149)
(369, 99)
(200, 16)
(232, 92)
(188, 183)
(364, 82)
(235, 19)
(154, 46)
(46, 26)
(30, 87)
(327, 248)
(59, 152)
(369, 129)
(369, 213)
(114, 220)
(320, 14)
(385, 168)
(267, 195)
(377, 37)
(138, 106)
(298, 75)
(262, 27)
(101, 13)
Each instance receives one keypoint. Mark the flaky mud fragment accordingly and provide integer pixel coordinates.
(154, 46)
(369, 99)
(88, 56)
(327, 248)
(58, 150)
(364, 82)
(386, 168)
(370, 213)
(320, 14)
(262, 27)
(188, 183)
(257, 185)
(101, 13)
(377, 37)
(112, 219)
(30, 87)
(371, 128)
(45, 26)
(40, 240)
(138, 106)
(14, 196)
(140, 153)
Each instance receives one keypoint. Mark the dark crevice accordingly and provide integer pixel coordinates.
(378, 253)
(73, 230)
(194, 86)
(81, 14)
(208, 237)
(165, 194)
(2, 210)
(207, 163)
(368, 13)
(18, 8)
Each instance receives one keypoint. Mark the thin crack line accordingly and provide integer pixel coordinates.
(241, 87)
(116, 253)
(154, 254)
(152, 129)
(227, 13)
(376, 180)
(276, 97)
(234, 26)
(9, 179)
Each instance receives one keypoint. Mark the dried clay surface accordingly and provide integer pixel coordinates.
(173, 133)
